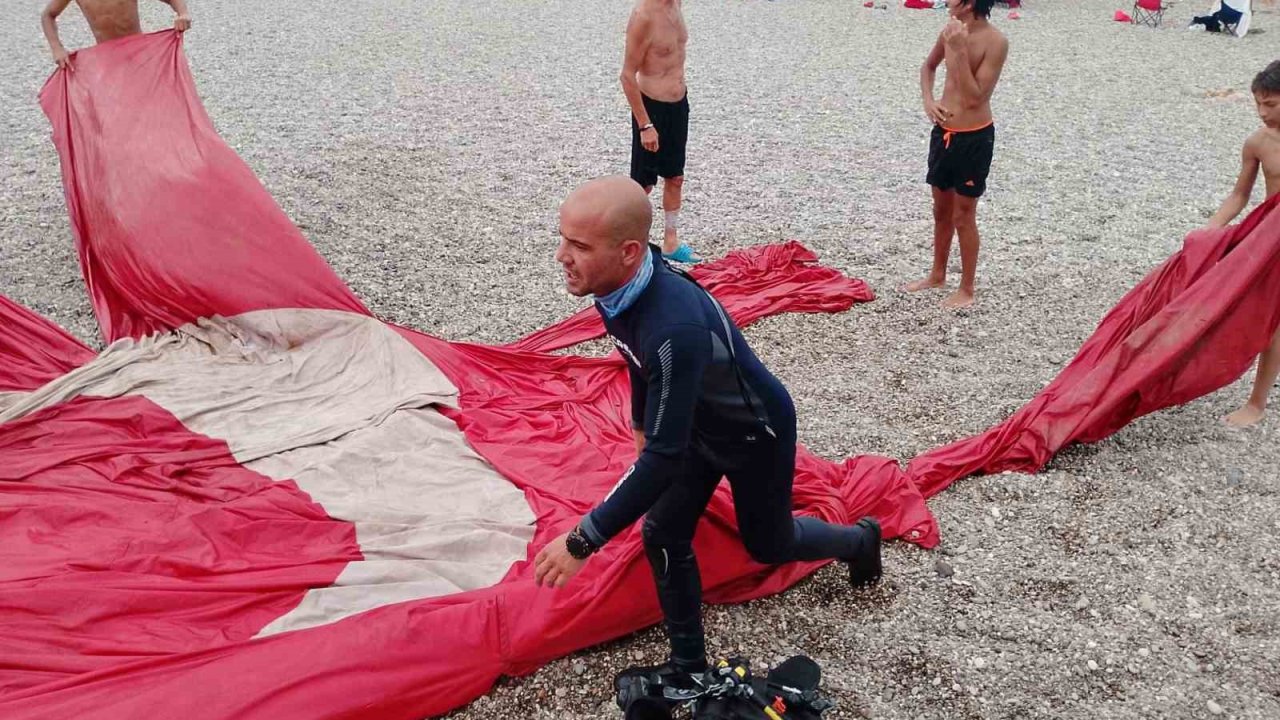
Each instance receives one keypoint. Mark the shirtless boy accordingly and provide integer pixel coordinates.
(108, 19)
(653, 81)
(1261, 150)
(964, 136)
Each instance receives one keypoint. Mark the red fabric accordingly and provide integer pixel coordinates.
(1194, 325)
(176, 161)
(33, 350)
(1152, 5)
(918, 4)
(751, 283)
(126, 536)
(154, 621)
(554, 425)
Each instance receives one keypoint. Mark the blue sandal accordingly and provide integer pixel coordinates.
(683, 254)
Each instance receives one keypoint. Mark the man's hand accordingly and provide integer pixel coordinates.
(955, 34)
(936, 113)
(649, 139)
(182, 23)
(62, 59)
(639, 441)
(554, 565)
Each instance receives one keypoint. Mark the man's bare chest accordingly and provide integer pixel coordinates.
(1269, 159)
(108, 9)
(976, 50)
(668, 37)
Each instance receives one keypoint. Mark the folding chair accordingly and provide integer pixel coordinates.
(1228, 16)
(1235, 15)
(1149, 12)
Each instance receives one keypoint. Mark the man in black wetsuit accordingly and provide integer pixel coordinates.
(703, 407)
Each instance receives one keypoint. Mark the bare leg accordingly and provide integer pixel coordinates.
(944, 227)
(1268, 371)
(671, 198)
(966, 220)
(648, 189)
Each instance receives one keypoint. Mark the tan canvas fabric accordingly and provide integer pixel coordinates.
(342, 405)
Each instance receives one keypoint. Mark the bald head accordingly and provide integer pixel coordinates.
(613, 207)
(604, 230)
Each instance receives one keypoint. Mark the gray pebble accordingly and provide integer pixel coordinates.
(1147, 603)
(429, 179)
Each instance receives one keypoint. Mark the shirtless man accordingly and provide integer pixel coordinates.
(653, 81)
(1261, 150)
(108, 19)
(964, 137)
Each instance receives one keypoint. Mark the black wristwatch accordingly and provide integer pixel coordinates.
(578, 545)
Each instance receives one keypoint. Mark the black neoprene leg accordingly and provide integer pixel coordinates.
(762, 500)
(668, 543)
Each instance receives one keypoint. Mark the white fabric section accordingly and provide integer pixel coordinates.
(340, 404)
(8, 399)
(85, 379)
(265, 381)
(423, 532)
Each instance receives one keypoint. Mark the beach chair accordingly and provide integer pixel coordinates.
(1237, 17)
(1228, 16)
(1148, 12)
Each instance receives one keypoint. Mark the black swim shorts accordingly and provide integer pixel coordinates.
(961, 159)
(671, 120)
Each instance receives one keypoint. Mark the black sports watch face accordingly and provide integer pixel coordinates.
(578, 546)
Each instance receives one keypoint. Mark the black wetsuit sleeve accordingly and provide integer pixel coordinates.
(639, 391)
(674, 363)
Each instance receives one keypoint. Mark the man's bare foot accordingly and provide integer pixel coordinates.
(1245, 416)
(927, 283)
(958, 299)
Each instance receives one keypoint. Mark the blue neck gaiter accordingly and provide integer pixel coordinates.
(622, 298)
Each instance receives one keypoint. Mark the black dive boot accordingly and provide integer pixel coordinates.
(864, 566)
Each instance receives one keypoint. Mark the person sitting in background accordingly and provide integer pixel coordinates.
(1225, 14)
